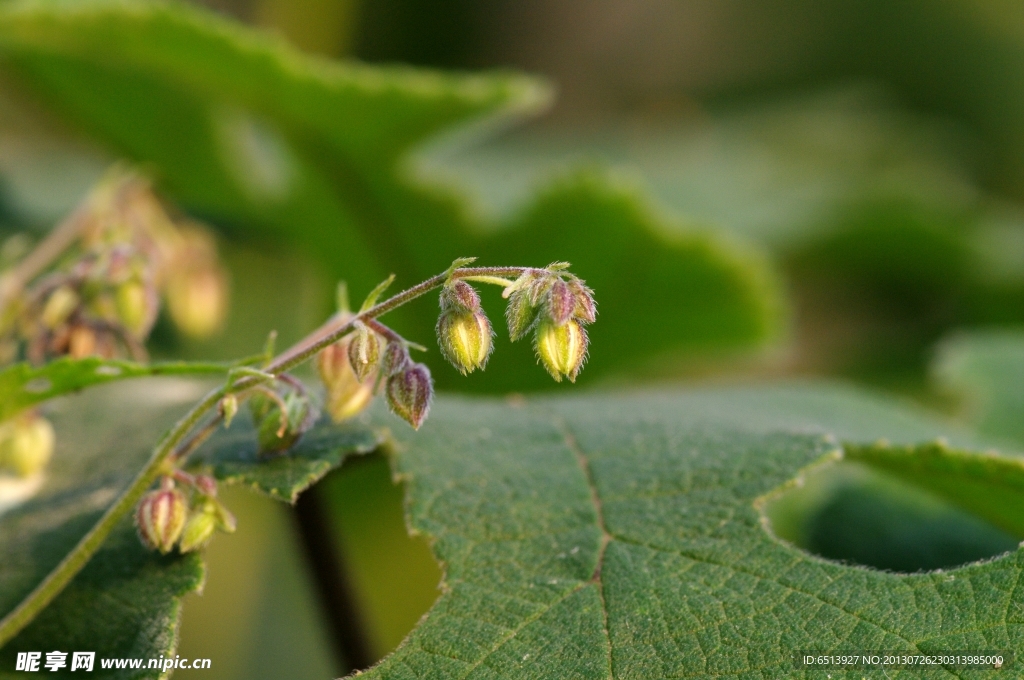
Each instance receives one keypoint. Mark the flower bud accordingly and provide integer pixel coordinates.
(363, 352)
(395, 359)
(560, 303)
(197, 300)
(59, 306)
(561, 349)
(460, 296)
(26, 444)
(136, 307)
(520, 315)
(465, 339)
(409, 394)
(199, 527)
(585, 310)
(277, 432)
(160, 518)
(229, 408)
(346, 396)
(82, 342)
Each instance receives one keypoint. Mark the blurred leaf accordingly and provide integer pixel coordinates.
(250, 133)
(986, 368)
(23, 385)
(621, 536)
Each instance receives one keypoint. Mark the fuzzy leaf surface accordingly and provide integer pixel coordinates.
(601, 537)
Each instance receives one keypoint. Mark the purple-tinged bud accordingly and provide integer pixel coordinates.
(560, 303)
(465, 339)
(395, 358)
(409, 394)
(363, 352)
(160, 518)
(585, 310)
(59, 306)
(26, 444)
(206, 485)
(561, 349)
(346, 396)
(459, 296)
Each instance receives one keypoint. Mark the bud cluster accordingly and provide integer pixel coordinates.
(188, 518)
(463, 331)
(556, 306)
(104, 296)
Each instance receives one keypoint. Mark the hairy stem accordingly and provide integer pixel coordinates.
(167, 450)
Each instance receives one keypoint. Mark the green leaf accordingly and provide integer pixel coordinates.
(23, 385)
(246, 131)
(127, 601)
(986, 368)
(233, 456)
(613, 536)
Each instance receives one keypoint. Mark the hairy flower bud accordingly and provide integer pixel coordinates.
(561, 349)
(520, 315)
(208, 516)
(276, 432)
(465, 339)
(160, 518)
(346, 396)
(460, 296)
(395, 359)
(26, 444)
(585, 310)
(59, 306)
(560, 303)
(409, 394)
(364, 352)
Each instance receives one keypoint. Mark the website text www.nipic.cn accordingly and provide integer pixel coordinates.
(87, 662)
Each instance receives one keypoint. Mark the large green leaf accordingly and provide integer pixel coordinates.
(621, 537)
(127, 601)
(249, 132)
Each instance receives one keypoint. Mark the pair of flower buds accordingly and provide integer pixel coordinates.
(553, 303)
(166, 517)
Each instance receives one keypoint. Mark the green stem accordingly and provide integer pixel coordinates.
(327, 334)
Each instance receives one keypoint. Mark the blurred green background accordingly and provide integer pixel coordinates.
(755, 189)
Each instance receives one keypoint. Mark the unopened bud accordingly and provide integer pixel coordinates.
(585, 310)
(26, 444)
(409, 394)
(561, 349)
(136, 307)
(160, 518)
(346, 396)
(199, 527)
(197, 300)
(59, 306)
(395, 358)
(560, 303)
(277, 432)
(520, 314)
(460, 296)
(206, 485)
(83, 342)
(364, 352)
(465, 339)
(229, 408)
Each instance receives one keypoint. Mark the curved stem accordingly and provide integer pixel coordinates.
(330, 332)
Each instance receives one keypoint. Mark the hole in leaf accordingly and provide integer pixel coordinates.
(852, 513)
(38, 385)
(393, 575)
